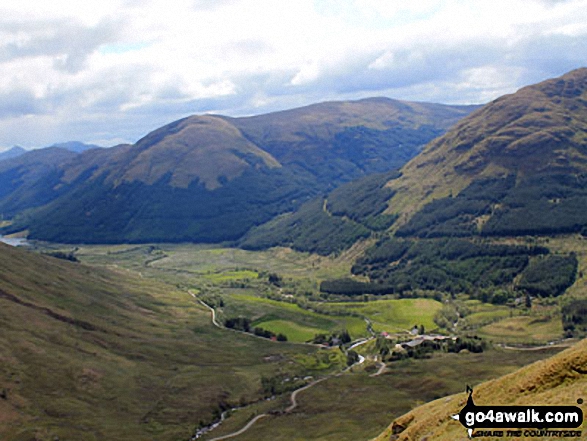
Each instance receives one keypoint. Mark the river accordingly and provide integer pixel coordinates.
(14, 241)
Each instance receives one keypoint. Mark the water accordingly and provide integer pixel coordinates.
(14, 241)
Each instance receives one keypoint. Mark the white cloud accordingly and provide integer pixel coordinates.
(115, 69)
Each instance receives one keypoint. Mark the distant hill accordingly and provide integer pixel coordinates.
(31, 179)
(559, 380)
(76, 146)
(340, 141)
(72, 146)
(12, 153)
(212, 178)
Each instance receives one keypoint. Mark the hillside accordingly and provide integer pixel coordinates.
(93, 354)
(351, 138)
(515, 167)
(212, 178)
(559, 380)
(76, 146)
(29, 179)
(12, 153)
(539, 130)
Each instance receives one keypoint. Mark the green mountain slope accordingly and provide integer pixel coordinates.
(29, 180)
(212, 178)
(540, 130)
(343, 140)
(90, 354)
(329, 224)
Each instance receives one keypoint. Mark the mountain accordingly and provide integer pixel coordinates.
(12, 153)
(72, 146)
(516, 163)
(352, 138)
(212, 178)
(516, 166)
(76, 146)
(30, 180)
(331, 223)
(558, 381)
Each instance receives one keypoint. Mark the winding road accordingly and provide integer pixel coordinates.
(243, 430)
(294, 394)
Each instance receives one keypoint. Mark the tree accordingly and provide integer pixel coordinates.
(351, 358)
(345, 336)
(275, 279)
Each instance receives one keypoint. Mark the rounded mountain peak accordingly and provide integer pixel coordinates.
(204, 148)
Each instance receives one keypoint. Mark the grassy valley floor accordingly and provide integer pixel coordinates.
(356, 405)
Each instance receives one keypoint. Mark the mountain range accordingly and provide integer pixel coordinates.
(447, 201)
(513, 167)
(212, 178)
(72, 146)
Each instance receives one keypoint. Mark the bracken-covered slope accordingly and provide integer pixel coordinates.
(212, 178)
(90, 354)
(560, 380)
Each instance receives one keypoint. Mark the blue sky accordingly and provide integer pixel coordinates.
(110, 71)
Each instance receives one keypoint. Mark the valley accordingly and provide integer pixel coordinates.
(236, 283)
(311, 274)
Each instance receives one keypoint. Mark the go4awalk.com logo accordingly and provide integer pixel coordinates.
(527, 421)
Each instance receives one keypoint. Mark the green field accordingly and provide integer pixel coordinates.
(524, 330)
(298, 324)
(395, 315)
(480, 314)
(227, 276)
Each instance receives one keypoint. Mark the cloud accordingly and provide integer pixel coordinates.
(116, 69)
(67, 42)
(18, 102)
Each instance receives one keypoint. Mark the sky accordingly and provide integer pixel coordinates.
(110, 71)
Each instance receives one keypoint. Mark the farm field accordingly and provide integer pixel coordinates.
(395, 315)
(524, 330)
(298, 324)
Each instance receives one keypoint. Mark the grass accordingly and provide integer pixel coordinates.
(395, 315)
(202, 259)
(293, 331)
(94, 354)
(298, 324)
(174, 368)
(227, 276)
(524, 329)
(553, 381)
(356, 406)
(483, 313)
